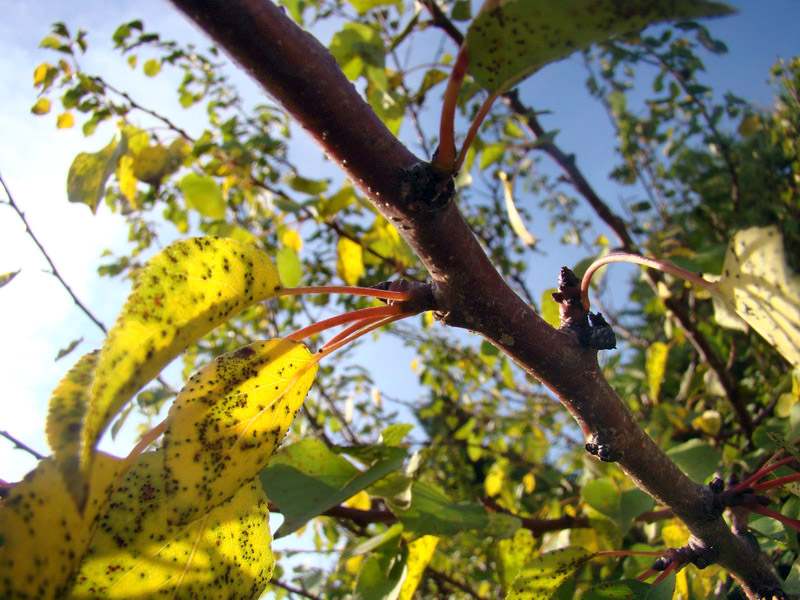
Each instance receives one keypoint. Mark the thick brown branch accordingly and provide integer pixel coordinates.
(468, 291)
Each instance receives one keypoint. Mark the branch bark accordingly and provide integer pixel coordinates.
(468, 291)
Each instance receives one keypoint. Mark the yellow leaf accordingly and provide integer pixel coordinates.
(709, 422)
(529, 482)
(292, 239)
(89, 171)
(514, 218)
(228, 419)
(44, 532)
(65, 120)
(180, 295)
(138, 553)
(512, 554)
(126, 179)
(493, 484)
(42, 107)
(40, 74)
(675, 534)
(420, 552)
(349, 261)
(360, 501)
(656, 366)
(758, 283)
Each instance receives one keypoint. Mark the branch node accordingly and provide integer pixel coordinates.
(421, 294)
(424, 189)
(599, 446)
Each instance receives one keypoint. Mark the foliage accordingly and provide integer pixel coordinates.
(450, 509)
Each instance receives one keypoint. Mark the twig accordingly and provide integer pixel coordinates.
(22, 446)
(53, 269)
(454, 583)
(294, 590)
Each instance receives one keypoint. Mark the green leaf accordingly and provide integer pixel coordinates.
(289, 266)
(389, 106)
(697, 458)
(364, 6)
(550, 310)
(393, 435)
(758, 283)
(312, 187)
(492, 154)
(70, 347)
(204, 195)
(432, 512)
(6, 277)
(780, 442)
(228, 420)
(87, 176)
(603, 496)
(374, 542)
(356, 48)
(656, 366)
(381, 575)
(627, 589)
(462, 10)
(206, 281)
(305, 479)
(512, 39)
(229, 544)
(541, 576)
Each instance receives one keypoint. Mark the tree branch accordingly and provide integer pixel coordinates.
(467, 290)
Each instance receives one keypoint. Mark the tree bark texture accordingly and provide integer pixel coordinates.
(468, 292)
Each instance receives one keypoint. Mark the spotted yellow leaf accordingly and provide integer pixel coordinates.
(541, 576)
(759, 285)
(180, 295)
(229, 419)
(511, 39)
(139, 553)
(45, 533)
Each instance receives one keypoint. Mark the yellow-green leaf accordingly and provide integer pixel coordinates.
(180, 295)
(65, 416)
(6, 277)
(152, 67)
(86, 180)
(514, 218)
(420, 552)
(228, 420)
(656, 366)
(65, 120)
(150, 164)
(511, 554)
(138, 553)
(758, 283)
(542, 576)
(349, 261)
(44, 532)
(42, 107)
(550, 310)
(511, 39)
(204, 195)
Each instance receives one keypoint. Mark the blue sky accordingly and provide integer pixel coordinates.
(36, 316)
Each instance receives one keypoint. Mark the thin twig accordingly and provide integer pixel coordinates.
(53, 269)
(22, 446)
(294, 590)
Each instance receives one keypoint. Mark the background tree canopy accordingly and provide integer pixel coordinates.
(463, 488)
